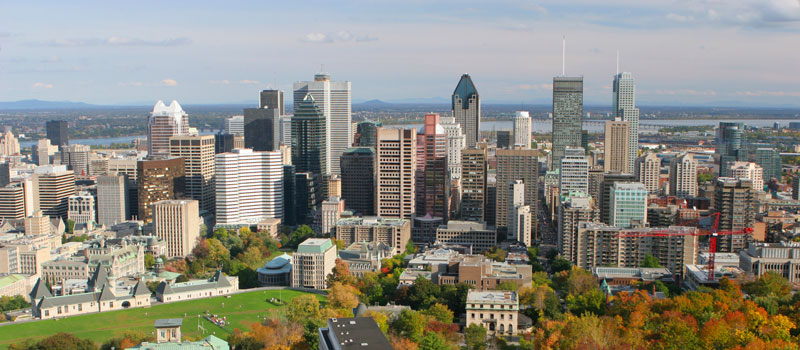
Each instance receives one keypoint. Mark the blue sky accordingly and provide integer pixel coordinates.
(681, 52)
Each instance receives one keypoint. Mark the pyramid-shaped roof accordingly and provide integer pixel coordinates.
(140, 289)
(106, 294)
(464, 90)
(98, 280)
(222, 281)
(164, 288)
(40, 290)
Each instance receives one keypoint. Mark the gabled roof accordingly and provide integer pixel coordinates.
(40, 290)
(168, 322)
(106, 294)
(222, 280)
(164, 288)
(98, 280)
(140, 289)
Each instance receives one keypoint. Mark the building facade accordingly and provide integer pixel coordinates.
(474, 171)
(358, 179)
(734, 200)
(648, 172)
(683, 176)
(624, 107)
(178, 223)
(158, 180)
(567, 116)
(80, 208)
(249, 187)
(497, 311)
(313, 262)
(112, 199)
(617, 147)
(165, 122)
(628, 204)
(574, 171)
(396, 166)
(516, 164)
(432, 177)
(394, 233)
(466, 106)
(52, 186)
(473, 234)
(198, 163)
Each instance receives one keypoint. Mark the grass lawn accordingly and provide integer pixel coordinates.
(241, 310)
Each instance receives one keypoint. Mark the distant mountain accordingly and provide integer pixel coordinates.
(374, 103)
(39, 104)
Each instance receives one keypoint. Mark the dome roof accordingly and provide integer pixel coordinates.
(278, 262)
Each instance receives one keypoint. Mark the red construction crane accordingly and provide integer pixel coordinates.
(712, 246)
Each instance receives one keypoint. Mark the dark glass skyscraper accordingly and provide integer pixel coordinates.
(358, 180)
(308, 137)
(262, 129)
(567, 115)
(729, 145)
(271, 99)
(58, 132)
(289, 196)
(467, 110)
(368, 133)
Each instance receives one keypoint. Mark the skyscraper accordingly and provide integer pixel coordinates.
(574, 174)
(197, 152)
(43, 151)
(624, 104)
(504, 139)
(473, 183)
(616, 147)
(396, 165)
(519, 218)
(628, 204)
(728, 144)
(516, 164)
(271, 99)
(683, 176)
(456, 142)
(249, 186)
(522, 129)
(165, 121)
(648, 172)
(567, 115)
(750, 171)
(12, 202)
(76, 158)
(432, 178)
(234, 125)
(158, 180)
(358, 180)
(734, 200)
(58, 132)
(80, 208)
(262, 129)
(52, 186)
(467, 110)
(367, 131)
(112, 199)
(290, 200)
(178, 223)
(309, 137)
(333, 99)
(770, 161)
(609, 179)
(9, 145)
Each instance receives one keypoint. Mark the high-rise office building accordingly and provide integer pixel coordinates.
(43, 151)
(178, 223)
(358, 180)
(112, 199)
(367, 133)
(616, 147)
(58, 132)
(286, 130)
(309, 137)
(395, 167)
(519, 218)
(734, 200)
(474, 164)
(575, 208)
(262, 129)
(770, 161)
(234, 125)
(683, 176)
(197, 152)
(330, 212)
(249, 186)
(728, 145)
(333, 99)
(313, 262)
(158, 180)
(648, 172)
(335, 185)
(76, 158)
(624, 105)
(628, 204)
(522, 129)
(504, 139)
(272, 99)
(432, 177)
(467, 110)
(574, 173)
(290, 200)
(52, 186)
(308, 193)
(9, 145)
(609, 179)
(750, 171)
(80, 208)
(224, 143)
(567, 115)
(12, 202)
(456, 141)
(516, 164)
(165, 121)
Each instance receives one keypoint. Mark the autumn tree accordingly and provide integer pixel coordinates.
(409, 324)
(475, 337)
(341, 273)
(342, 296)
(303, 307)
(439, 312)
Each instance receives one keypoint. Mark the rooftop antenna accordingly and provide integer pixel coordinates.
(564, 55)
(617, 61)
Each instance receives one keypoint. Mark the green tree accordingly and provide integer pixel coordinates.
(650, 261)
(70, 226)
(433, 341)
(496, 254)
(424, 293)
(439, 312)
(409, 324)
(220, 234)
(560, 264)
(591, 301)
(303, 308)
(475, 337)
(251, 257)
(769, 284)
(149, 260)
(182, 278)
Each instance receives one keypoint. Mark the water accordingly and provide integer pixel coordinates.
(596, 126)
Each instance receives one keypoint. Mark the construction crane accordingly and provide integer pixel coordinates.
(712, 243)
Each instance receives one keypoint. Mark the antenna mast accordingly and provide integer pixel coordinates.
(563, 55)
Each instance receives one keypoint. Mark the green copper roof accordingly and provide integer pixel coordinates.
(315, 245)
(464, 90)
(8, 280)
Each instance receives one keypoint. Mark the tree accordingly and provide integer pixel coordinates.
(496, 254)
(475, 337)
(591, 301)
(433, 341)
(650, 261)
(342, 296)
(507, 285)
(769, 284)
(61, 341)
(423, 293)
(409, 324)
(127, 340)
(298, 236)
(560, 264)
(277, 334)
(341, 273)
(182, 278)
(400, 343)
(70, 226)
(439, 312)
(303, 307)
(149, 260)
(251, 257)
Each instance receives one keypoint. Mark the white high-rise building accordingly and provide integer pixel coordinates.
(624, 102)
(628, 204)
(683, 176)
(234, 125)
(333, 98)
(574, 175)
(80, 208)
(249, 186)
(519, 214)
(750, 171)
(165, 121)
(648, 172)
(522, 129)
(9, 145)
(456, 141)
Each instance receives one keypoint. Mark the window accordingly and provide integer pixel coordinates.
(46, 313)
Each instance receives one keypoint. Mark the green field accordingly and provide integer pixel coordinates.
(241, 310)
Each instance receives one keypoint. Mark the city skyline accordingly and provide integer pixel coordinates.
(690, 53)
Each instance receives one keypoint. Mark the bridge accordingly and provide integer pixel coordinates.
(642, 125)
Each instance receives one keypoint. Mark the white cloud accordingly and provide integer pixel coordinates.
(169, 82)
(679, 18)
(769, 93)
(112, 41)
(340, 36)
(133, 83)
(40, 85)
(317, 38)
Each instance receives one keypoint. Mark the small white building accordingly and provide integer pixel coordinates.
(215, 286)
(497, 311)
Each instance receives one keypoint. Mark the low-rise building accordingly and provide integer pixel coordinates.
(119, 260)
(272, 226)
(632, 275)
(394, 233)
(168, 337)
(497, 311)
(696, 276)
(475, 234)
(276, 272)
(13, 285)
(364, 257)
(782, 258)
(217, 285)
(448, 267)
(352, 333)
